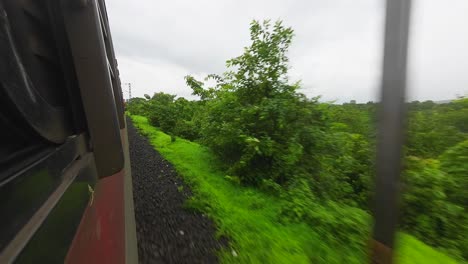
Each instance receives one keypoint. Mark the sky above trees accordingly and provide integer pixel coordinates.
(336, 51)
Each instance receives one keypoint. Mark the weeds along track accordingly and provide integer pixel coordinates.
(166, 231)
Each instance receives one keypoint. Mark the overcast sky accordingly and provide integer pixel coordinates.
(336, 51)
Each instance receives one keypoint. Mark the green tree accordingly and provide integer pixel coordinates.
(137, 106)
(255, 119)
(433, 128)
(186, 126)
(162, 112)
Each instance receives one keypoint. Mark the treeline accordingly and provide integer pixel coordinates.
(435, 178)
(319, 157)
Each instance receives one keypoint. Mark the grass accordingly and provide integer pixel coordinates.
(248, 217)
(412, 250)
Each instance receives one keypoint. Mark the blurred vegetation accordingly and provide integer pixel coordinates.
(259, 225)
(304, 164)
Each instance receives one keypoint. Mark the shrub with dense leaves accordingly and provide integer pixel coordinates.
(255, 119)
(336, 223)
(427, 211)
(455, 163)
(173, 116)
(137, 106)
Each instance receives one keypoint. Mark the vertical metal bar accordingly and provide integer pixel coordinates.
(116, 85)
(84, 31)
(390, 130)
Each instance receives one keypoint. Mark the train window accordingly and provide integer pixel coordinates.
(26, 191)
(58, 230)
(41, 119)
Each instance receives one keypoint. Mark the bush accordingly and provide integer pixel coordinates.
(427, 211)
(255, 120)
(186, 129)
(172, 116)
(336, 223)
(137, 106)
(454, 162)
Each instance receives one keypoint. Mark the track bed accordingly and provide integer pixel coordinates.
(166, 231)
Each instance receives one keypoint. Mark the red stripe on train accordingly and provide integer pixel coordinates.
(100, 237)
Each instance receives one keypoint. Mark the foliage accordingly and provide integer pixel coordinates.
(173, 116)
(316, 158)
(249, 217)
(162, 112)
(255, 120)
(354, 118)
(433, 128)
(337, 224)
(137, 106)
(454, 162)
(345, 168)
(427, 210)
(432, 204)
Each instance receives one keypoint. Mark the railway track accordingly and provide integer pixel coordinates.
(166, 231)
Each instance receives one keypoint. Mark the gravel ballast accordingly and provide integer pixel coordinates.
(166, 231)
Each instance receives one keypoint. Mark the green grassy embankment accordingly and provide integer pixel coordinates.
(249, 217)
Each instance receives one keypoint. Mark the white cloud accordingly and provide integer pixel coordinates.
(154, 76)
(439, 50)
(336, 51)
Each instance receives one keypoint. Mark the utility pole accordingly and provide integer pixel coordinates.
(129, 90)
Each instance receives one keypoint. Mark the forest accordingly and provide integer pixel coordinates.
(314, 160)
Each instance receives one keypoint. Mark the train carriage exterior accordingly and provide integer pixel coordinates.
(65, 183)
